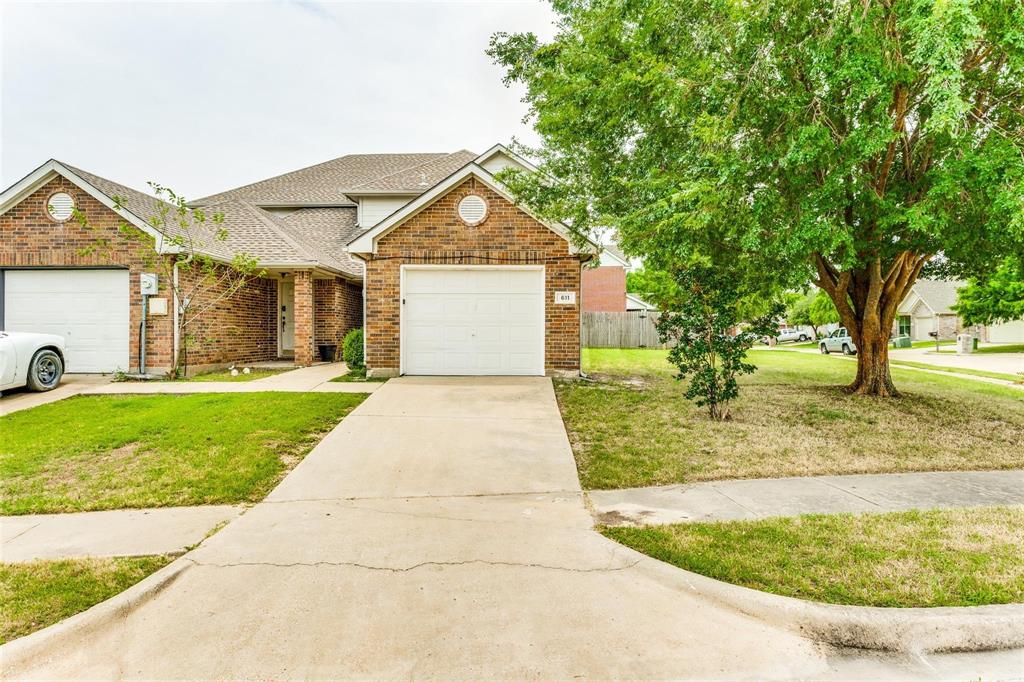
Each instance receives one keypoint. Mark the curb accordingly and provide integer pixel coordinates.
(898, 630)
(47, 642)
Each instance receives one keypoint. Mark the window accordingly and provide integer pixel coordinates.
(904, 325)
(59, 206)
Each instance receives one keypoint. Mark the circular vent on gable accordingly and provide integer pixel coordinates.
(59, 206)
(472, 209)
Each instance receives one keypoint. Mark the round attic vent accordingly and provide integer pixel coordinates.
(472, 209)
(59, 206)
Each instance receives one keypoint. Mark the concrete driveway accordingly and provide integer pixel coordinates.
(439, 532)
(1006, 363)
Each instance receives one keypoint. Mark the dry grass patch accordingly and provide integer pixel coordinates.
(36, 594)
(954, 557)
(632, 427)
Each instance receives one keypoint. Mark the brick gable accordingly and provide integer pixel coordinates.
(507, 236)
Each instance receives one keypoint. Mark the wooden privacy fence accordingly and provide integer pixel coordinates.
(632, 329)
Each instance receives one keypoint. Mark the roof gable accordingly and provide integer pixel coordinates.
(366, 243)
(126, 202)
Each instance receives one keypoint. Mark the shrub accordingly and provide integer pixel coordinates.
(352, 349)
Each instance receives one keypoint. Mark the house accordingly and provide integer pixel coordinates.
(928, 307)
(427, 252)
(604, 284)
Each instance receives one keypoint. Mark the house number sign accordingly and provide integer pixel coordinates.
(565, 297)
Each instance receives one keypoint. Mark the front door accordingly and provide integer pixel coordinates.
(286, 316)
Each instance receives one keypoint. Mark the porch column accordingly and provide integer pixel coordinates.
(304, 319)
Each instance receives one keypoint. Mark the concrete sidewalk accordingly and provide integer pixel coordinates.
(316, 379)
(72, 384)
(766, 497)
(125, 532)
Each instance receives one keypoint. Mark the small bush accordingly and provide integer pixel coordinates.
(352, 349)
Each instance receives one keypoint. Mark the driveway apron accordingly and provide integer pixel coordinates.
(438, 532)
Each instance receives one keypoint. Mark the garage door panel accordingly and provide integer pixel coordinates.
(89, 308)
(475, 321)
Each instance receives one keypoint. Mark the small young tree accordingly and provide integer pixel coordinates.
(197, 281)
(705, 348)
(822, 311)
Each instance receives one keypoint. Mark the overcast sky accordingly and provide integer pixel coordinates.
(203, 97)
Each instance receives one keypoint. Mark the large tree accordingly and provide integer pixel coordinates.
(845, 141)
(999, 298)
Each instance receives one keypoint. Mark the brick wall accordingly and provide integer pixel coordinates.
(507, 236)
(241, 329)
(604, 289)
(29, 237)
(304, 310)
(338, 308)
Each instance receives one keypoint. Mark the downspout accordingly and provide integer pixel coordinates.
(177, 319)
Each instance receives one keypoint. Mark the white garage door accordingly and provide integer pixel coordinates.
(1007, 332)
(89, 308)
(486, 320)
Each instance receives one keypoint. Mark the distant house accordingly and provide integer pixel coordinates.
(929, 308)
(604, 286)
(634, 302)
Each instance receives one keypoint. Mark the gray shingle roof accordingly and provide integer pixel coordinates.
(329, 229)
(328, 183)
(940, 295)
(418, 178)
(250, 230)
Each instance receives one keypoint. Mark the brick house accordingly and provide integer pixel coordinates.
(604, 284)
(455, 277)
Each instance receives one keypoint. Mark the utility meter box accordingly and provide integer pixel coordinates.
(964, 344)
(148, 283)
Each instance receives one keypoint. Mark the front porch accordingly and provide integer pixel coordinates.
(314, 312)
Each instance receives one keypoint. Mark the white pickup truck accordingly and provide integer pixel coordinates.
(792, 334)
(838, 341)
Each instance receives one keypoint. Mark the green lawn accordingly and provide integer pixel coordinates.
(225, 375)
(632, 427)
(119, 451)
(959, 557)
(40, 593)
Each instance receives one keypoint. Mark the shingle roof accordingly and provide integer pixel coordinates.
(418, 178)
(939, 295)
(249, 230)
(145, 207)
(329, 183)
(329, 229)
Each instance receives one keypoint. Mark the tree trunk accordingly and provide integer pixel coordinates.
(867, 300)
(873, 376)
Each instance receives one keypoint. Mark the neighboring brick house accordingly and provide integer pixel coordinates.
(495, 293)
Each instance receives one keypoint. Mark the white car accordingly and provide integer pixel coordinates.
(792, 335)
(838, 341)
(33, 360)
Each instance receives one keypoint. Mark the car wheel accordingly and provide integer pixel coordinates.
(846, 350)
(45, 370)
(824, 349)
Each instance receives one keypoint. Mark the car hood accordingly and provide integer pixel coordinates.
(34, 337)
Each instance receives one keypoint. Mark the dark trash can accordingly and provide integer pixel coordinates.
(328, 351)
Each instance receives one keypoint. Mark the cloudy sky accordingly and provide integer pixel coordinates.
(202, 97)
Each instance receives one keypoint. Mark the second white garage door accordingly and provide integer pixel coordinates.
(479, 321)
(89, 308)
